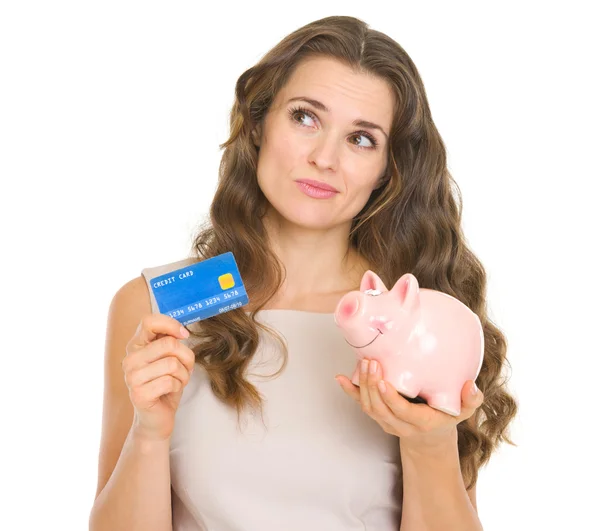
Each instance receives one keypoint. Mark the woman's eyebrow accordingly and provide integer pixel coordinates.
(324, 108)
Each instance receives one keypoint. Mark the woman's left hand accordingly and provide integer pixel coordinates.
(418, 425)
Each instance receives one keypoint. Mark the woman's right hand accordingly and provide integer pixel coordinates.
(157, 367)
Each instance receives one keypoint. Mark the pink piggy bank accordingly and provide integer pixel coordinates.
(427, 343)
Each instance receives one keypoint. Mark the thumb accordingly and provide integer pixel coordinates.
(472, 395)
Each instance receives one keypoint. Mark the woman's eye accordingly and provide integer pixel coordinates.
(294, 113)
(301, 113)
(364, 136)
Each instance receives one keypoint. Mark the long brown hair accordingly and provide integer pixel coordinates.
(412, 223)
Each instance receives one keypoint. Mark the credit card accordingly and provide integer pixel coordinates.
(201, 290)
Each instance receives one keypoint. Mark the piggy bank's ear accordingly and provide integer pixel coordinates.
(370, 280)
(406, 289)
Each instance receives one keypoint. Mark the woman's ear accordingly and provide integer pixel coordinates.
(256, 134)
(381, 182)
(387, 175)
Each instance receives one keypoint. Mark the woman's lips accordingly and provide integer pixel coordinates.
(318, 184)
(314, 192)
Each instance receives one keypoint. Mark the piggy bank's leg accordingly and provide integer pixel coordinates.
(448, 402)
(407, 385)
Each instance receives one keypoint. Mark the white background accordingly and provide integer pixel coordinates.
(110, 118)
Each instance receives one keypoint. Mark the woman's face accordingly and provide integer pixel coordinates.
(324, 145)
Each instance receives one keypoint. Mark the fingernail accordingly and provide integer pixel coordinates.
(473, 389)
(373, 366)
(364, 366)
(184, 332)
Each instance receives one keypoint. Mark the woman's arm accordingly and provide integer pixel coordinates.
(138, 493)
(434, 494)
(435, 498)
(134, 478)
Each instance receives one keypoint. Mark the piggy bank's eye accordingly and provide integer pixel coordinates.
(372, 292)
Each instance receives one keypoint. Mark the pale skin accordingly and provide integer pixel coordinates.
(310, 237)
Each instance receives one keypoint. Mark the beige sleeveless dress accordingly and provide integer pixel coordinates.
(321, 463)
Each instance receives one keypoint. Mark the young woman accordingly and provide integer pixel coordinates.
(334, 166)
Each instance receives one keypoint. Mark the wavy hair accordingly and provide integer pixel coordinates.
(411, 223)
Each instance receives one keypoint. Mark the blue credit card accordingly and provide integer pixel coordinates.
(201, 290)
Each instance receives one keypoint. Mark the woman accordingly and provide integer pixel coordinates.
(343, 105)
